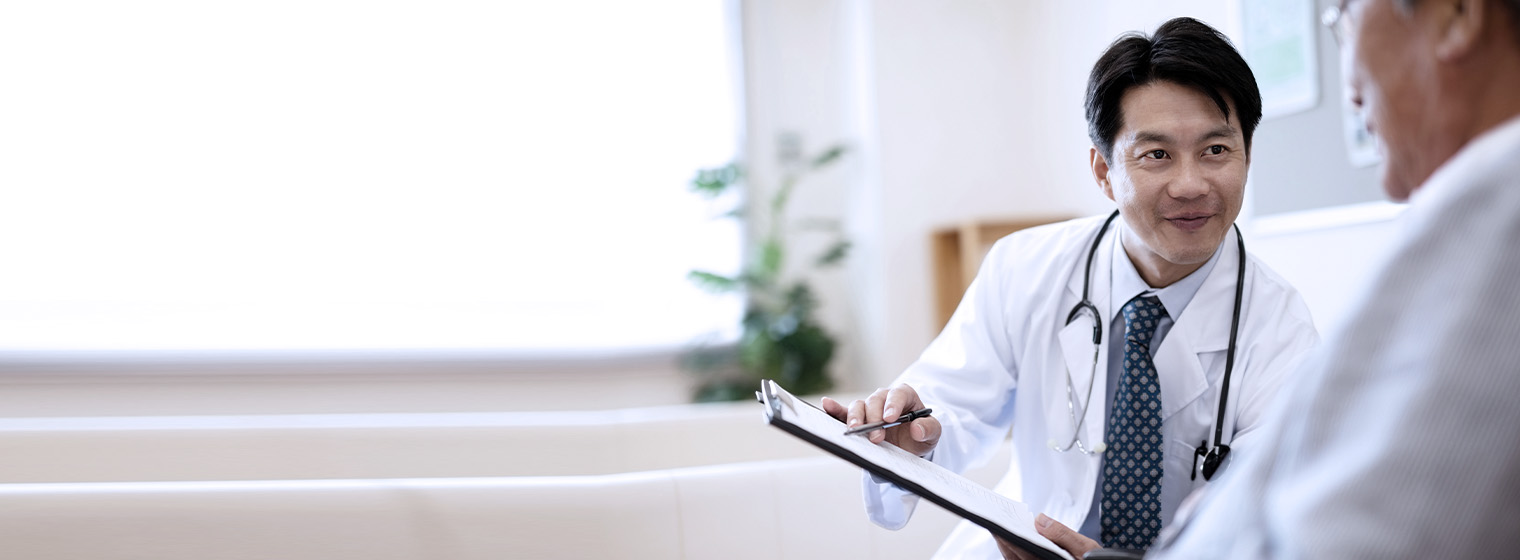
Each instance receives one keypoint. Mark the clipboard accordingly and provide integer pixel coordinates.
(1005, 518)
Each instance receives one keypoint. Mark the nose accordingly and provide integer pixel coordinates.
(1352, 78)
(1349, 77)
(1190, 182)
(1353, 85)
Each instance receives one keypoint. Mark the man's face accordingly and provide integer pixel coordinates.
(1385, 79)
(1178, 174)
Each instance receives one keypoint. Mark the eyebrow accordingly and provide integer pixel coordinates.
(1224, 131)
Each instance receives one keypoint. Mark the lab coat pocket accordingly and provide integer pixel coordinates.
(1183, 456)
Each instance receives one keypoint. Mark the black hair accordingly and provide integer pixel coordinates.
(1183, 51)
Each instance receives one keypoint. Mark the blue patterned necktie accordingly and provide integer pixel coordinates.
(1132, 464)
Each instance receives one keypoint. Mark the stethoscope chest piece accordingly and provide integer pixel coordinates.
(1212, 458)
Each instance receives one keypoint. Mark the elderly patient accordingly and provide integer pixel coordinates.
(1403, 440)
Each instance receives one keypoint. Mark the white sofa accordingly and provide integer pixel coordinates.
(717, 483)
(387, 445)
(795, 508)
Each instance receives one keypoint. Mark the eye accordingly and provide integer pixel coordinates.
(1154, 154)
(1215, 150)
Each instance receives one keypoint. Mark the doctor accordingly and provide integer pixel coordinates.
(1129, 353)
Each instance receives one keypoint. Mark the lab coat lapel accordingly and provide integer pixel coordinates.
(1203, 328)
(1077, 344)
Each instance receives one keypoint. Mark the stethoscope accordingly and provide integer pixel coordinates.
(1212, 456)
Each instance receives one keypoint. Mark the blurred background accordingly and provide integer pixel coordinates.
(341, 206)
(439, 279)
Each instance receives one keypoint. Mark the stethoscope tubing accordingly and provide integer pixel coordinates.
(1086, 305)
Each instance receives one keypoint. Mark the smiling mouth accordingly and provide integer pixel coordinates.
(1190, 222)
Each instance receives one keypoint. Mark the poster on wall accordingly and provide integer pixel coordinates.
(1277, 39)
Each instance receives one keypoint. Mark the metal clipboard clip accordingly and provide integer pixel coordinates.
(772, 396)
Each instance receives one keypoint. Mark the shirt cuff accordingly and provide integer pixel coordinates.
(887, 504)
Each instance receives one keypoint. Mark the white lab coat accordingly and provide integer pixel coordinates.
(1003, 359)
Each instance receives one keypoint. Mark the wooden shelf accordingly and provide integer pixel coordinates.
(958, 252)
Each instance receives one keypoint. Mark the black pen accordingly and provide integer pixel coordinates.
(905, 418)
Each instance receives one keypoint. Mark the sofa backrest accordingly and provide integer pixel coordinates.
(280, 447)
(796, 508)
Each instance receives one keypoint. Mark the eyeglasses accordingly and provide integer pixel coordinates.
(1334, 18)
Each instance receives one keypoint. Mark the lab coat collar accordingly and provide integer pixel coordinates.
(1202, 328)
(1206, 320)
(1218, 285)
(1197, 330)
(1127, 283)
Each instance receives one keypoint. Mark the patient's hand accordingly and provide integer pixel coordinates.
(1076, 544)
(918, 437)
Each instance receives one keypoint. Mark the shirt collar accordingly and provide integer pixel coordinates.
(1127, 283)
(1464, 170)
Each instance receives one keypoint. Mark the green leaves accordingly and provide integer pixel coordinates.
(715, 181)
(835, 254)
(714, 283)
(780, 339)
(786, 344)
(800, 303)
(827, 157)
(807, 352)
(768, 268)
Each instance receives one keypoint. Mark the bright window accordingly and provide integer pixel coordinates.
(337, 174)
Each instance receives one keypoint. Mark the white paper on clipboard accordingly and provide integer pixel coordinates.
(1006, 518)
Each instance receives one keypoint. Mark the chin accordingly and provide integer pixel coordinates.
(1198, 249)
(1396, 186)
(1193, 257)
(1191, 254)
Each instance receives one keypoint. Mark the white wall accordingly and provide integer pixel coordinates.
(963, 130)
(1328, 254)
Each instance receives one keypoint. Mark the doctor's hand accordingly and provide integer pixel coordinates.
(1074, 543)
(918, 437)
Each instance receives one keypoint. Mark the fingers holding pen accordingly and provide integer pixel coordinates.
(919, 436)
(851, 414)
(886, 405)
(873, 412)
(899, 399)
(835, 408)
(925, 430)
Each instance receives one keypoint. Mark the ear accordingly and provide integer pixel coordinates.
(1459, 27)
(1100, 171)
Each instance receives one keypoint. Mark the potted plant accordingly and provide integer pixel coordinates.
(780, 337)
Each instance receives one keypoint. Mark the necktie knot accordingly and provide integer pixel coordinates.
(1141, 315)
